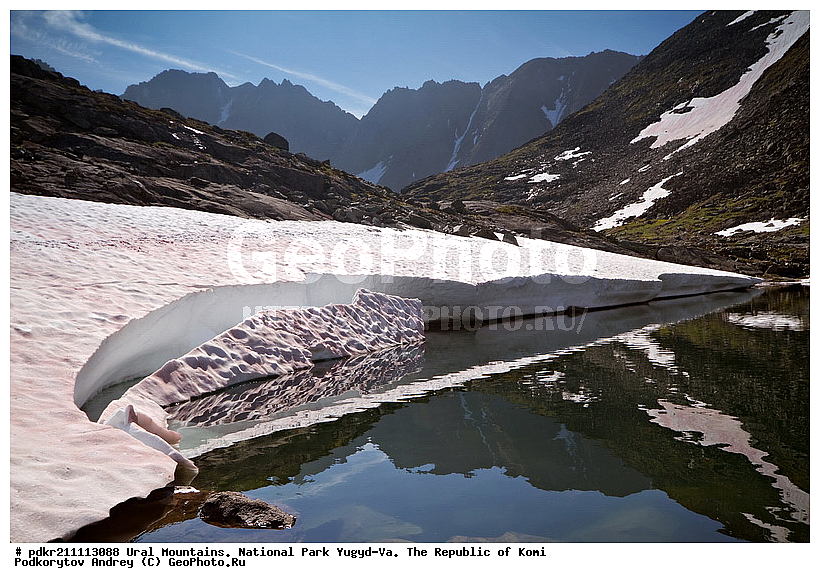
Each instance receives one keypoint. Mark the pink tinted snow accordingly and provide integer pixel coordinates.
(277, 342)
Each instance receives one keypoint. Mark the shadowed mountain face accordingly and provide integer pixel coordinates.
(708, 132)
(409, 133)
(317, 128)
(414, 133)
(534, 99)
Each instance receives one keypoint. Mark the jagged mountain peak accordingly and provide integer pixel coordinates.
(408, 133)
(411, 133)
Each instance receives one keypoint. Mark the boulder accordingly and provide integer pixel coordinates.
(277, 141)
(416, 220)
(235, 510)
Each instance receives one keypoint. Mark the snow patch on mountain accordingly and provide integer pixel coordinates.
(635, 209)
(697, 118)
(224, 112)
(457, 145)
(374, 174)
(190, 129)
(556, 114)
(761, 226)
(544, 177)
(772, 21)
(570, 154)
(743, 16)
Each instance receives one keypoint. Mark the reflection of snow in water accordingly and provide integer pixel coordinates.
(641, 340)
(568, 437)
(727, 432)
(468, 417)
(771, 320)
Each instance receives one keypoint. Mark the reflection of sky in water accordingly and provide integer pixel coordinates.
(488, 503)
(568, 435)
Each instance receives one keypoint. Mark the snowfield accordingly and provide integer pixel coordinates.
(697, 118)
(374, 174)
(103, 293)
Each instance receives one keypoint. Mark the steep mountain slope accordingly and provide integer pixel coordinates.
(534, 99)
(708, 132)
(317, 128)
(409, 133)
(68, 141)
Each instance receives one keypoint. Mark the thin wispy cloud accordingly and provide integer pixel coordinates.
(20, 29)
(68, 21)
(365, 99)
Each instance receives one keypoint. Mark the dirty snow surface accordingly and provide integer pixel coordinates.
(102, 293)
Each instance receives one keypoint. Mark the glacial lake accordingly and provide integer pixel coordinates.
(681, 420)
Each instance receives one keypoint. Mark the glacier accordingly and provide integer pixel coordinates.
(103, 293)
(268, 344)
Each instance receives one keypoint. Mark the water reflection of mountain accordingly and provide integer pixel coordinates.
(713, 410)
(451, 358)
(752, 381)
(461, 432)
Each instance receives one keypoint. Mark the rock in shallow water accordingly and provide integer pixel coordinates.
(235, 510)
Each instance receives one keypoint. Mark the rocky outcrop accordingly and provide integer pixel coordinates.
(71, 142)
(235, 510)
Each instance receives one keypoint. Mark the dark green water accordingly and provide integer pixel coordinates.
(680, 420)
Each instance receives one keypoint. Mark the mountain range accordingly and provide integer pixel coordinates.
(702, 146)
(698, 155)
(409, 133)
(68, 141)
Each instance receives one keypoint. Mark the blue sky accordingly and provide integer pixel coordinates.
(349, 57)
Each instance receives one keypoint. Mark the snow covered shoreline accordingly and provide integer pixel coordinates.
(101, 293)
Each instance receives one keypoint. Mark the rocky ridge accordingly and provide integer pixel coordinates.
(409, 133)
